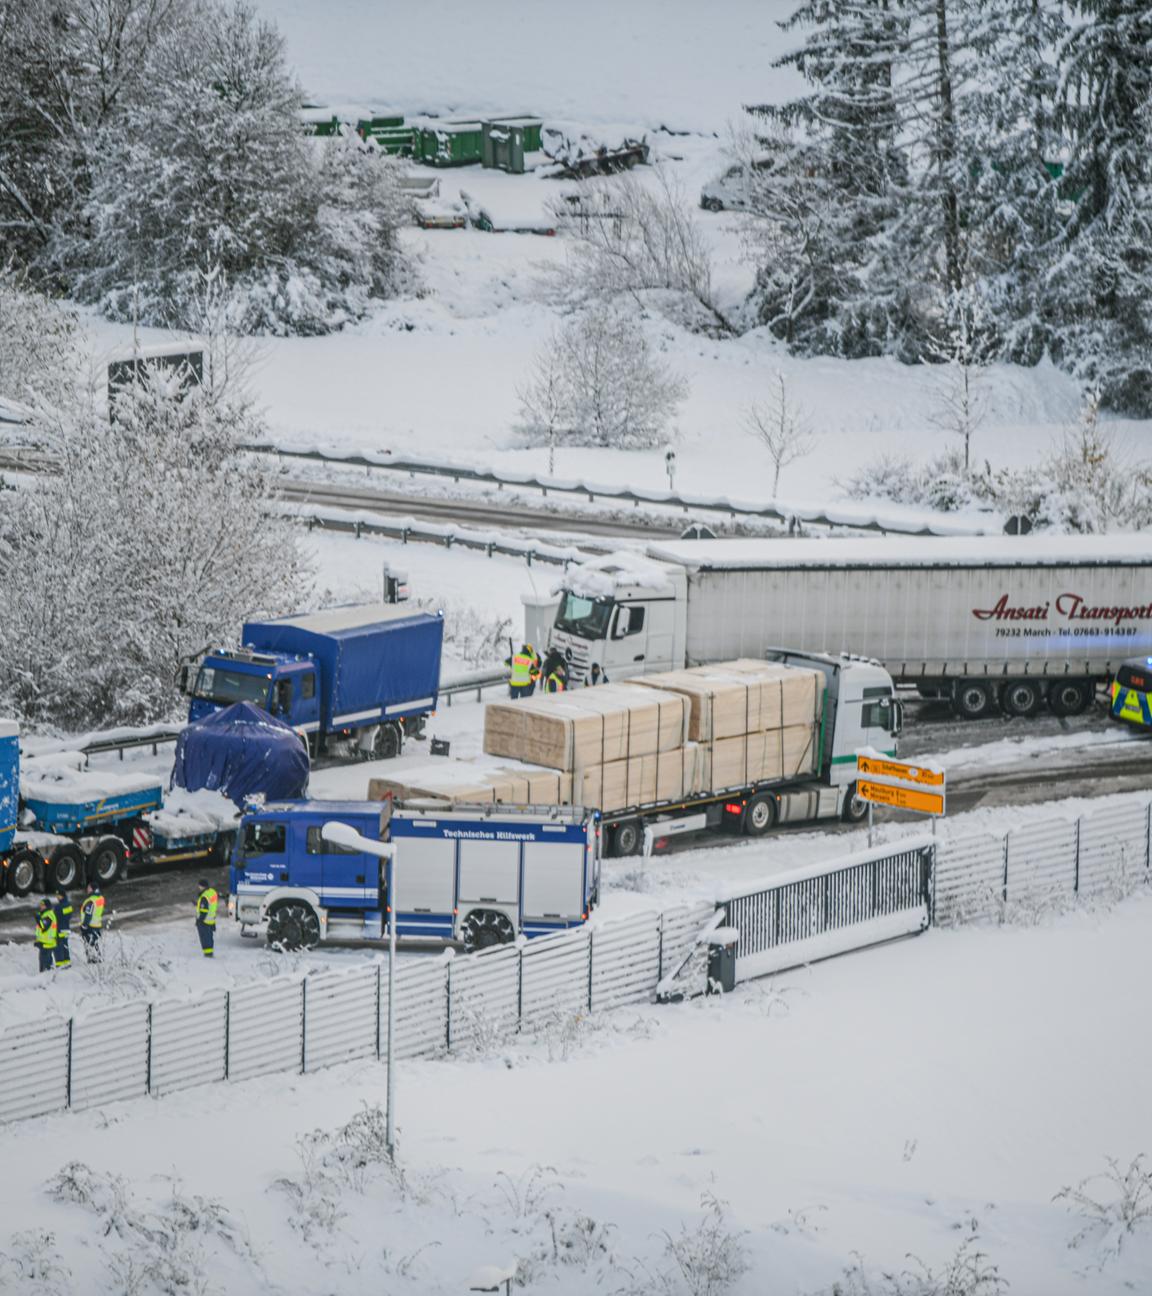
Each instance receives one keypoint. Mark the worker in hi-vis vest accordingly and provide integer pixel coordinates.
(206, 904)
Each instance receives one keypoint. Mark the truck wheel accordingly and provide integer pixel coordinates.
(388, 742)
(855, 808)
(107, 861)
(484, 928)
(293, 925)
(66, 867)
(712, 205)
(1021, 698)
(759, 814)
(21, 872)
(627, 838)
(973, 699)
(1070, 697)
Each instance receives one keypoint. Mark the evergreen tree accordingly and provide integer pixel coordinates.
(1098, 291)
(826, 190)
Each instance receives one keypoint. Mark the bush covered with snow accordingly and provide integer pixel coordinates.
(149, 544)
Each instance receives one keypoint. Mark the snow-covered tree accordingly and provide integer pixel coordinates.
(39, 352)
(207, 170)
(824, 179)
(639, 238)
(151, 542)
(597, 383)
(962, 347)
(1098, 291)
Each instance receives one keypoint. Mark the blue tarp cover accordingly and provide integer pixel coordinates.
(241, 751)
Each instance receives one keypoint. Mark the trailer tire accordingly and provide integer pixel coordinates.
(293, 925)
(760, 814)
(389, 741)
(66, 868)
(20, 874)
(107, 861)
(855, 808)
(627, 838)
(485, 928)
(973, 699)
(1021, 698)
(712, 205)
(1070, 697)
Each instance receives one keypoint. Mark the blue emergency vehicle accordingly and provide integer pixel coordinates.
(478, 875)
(351, 681)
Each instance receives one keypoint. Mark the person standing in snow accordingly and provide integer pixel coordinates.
(525, 671)
(92, 922)
(63, 909)
(206, 904)
(46, 935)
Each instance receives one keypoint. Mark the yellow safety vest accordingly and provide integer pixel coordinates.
(46, 929)
(92, 912)
(522, 666)
(554, 683)
(206, 906)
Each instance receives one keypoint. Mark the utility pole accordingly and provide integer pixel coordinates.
(345, 835)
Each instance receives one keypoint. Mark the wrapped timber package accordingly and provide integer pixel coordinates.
(640, 780)
(745, 696)
(772, 754)
(586, 727)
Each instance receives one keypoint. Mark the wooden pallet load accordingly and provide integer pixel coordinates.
(754, 721)
(472, 783)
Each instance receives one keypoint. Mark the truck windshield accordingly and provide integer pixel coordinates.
(228, 686)
(585, 617)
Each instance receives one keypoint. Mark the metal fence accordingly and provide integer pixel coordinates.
(289, 1024)
(455, 1004)
(1042, 864)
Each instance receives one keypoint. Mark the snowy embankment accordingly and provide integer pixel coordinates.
(903, 1102)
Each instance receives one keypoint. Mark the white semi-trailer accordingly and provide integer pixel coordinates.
(986, 623)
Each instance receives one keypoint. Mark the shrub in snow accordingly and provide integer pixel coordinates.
(968, 1272)
(707, 1258)
(1114, 1204)
(597, 383)
(150, 543)
(207, 169)
(31, 1261)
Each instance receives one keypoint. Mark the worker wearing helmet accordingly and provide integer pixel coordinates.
(46, 935)
(524, 671)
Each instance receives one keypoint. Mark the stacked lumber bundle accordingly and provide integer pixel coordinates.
(622, 745)
(466, 783)
(754, 721)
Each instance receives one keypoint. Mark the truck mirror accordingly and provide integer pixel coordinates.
(623, 623)
(182, 679)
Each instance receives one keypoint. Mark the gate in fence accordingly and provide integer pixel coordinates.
(822, 911)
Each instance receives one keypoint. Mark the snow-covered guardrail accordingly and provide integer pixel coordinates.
(897, 520)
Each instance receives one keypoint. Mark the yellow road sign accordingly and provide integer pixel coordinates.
(879, 768)
(902, 798)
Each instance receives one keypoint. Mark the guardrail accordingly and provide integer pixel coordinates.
(853, 519)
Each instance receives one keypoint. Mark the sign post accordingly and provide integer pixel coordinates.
(900, 784)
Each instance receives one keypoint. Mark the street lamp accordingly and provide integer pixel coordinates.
(341, 834)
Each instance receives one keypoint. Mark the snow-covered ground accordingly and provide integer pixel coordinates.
(880, 1110)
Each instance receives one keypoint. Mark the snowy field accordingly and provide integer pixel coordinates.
(876, 1112)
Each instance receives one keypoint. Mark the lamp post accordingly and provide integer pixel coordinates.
(341, 834)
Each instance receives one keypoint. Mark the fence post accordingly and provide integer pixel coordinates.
(589, 969)
(1004, 886)
(148, 1059)
(227, 1032)
(68, 1079)
(1148, 836)
(660, 948)
(303, 1025)
(930, 882)
(378, 966)
(448, 1007)
(520, 988)
(1076, 876)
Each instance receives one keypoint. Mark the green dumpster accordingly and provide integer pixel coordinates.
(450, 143)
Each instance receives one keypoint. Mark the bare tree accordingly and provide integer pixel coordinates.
(597, 383)
(963, 348)
(782, 427)
(639, 238)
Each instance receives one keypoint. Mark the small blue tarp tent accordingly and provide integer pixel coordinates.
(242, 751)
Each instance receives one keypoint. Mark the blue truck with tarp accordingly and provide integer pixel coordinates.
(478, 875)
(61, 825)
(352, 681)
